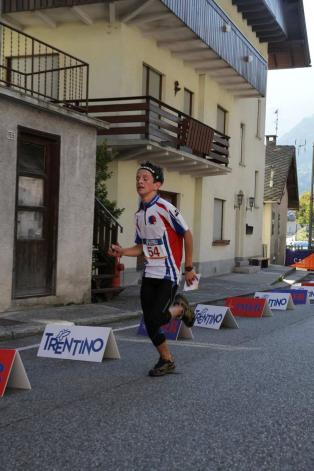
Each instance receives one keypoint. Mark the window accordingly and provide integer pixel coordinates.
(273, 217)
(256, 189)
(218, 219)
(152, 82)
(258, 119)
(221, 120)
(242, 144)
(188, 102)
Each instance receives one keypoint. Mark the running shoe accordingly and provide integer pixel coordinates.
(162, 368)
(188, 315)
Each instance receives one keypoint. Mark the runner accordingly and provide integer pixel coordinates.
(160, 233)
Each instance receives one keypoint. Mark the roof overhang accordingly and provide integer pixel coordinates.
(282, 25)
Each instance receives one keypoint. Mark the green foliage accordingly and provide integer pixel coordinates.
(303, 215)
(103, 158)
(302, 234)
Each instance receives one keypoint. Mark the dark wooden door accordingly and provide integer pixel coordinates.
(169, 196)
(36, 220)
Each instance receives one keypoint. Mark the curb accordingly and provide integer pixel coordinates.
(28, 330)
(36, 329)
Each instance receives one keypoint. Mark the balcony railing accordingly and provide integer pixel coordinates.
(150, 119)
(38, 69)
(11, 6)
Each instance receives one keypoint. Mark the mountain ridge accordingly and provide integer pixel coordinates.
(302, 136)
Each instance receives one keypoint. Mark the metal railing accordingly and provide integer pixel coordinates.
(38, 69)
(11, 6)
(106, 227)
(146, 117)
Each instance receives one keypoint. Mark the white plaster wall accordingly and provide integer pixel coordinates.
(76, 201)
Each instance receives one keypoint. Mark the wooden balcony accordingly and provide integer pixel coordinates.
(143, 127)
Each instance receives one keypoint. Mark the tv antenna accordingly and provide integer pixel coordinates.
(276, 112)
(300, 146)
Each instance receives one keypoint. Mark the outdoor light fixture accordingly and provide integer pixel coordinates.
(239, 199)
(248, 58)
(250, 203)
(177, 87)
(226, 28)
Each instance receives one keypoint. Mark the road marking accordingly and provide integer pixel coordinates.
(29, 347)
(182, 343)
(119, 329)
(126, 328)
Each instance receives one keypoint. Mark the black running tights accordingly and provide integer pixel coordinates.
(156, 297)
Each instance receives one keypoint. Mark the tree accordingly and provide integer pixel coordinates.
(103, 158)
(303, 214)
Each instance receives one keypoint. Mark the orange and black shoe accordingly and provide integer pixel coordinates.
(188, 315)
(162, 368)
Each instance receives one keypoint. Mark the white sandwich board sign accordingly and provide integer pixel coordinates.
(214, 317)
(276, 301)
(78, 343)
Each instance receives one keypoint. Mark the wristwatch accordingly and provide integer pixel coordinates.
(189, 268)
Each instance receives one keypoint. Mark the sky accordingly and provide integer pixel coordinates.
(291, 91)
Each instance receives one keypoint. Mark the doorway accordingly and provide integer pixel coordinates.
(36, 214)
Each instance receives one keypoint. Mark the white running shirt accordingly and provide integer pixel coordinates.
(160, 229)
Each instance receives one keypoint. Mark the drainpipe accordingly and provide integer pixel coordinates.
(311, 204)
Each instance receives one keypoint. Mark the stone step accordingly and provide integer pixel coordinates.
(247, 269)
(241, 263)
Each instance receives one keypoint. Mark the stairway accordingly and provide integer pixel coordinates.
(106, 229)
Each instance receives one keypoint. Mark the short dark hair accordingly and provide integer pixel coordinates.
(156, 171)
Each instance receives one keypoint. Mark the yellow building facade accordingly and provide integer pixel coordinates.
(223, 204)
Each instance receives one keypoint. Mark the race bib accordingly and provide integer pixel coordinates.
(154, 249)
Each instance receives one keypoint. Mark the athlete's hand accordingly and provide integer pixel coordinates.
(115, 250)
(190, 276)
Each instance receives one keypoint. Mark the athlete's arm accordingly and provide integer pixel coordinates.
(118, 251)
(188, 250)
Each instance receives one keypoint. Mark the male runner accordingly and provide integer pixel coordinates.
(160, 233)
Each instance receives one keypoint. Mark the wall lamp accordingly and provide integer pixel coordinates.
(226, 28)
(177, 87)
(239, 199)
(250, 203)
(248, 58)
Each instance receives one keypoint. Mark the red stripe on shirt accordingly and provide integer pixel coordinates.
(162, 206)
(175, 241)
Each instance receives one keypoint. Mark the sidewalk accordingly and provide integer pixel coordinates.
(127, 305)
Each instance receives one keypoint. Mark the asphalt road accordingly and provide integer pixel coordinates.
(239, 400)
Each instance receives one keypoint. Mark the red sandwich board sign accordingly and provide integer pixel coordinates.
(248, 307)
(12, 371)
